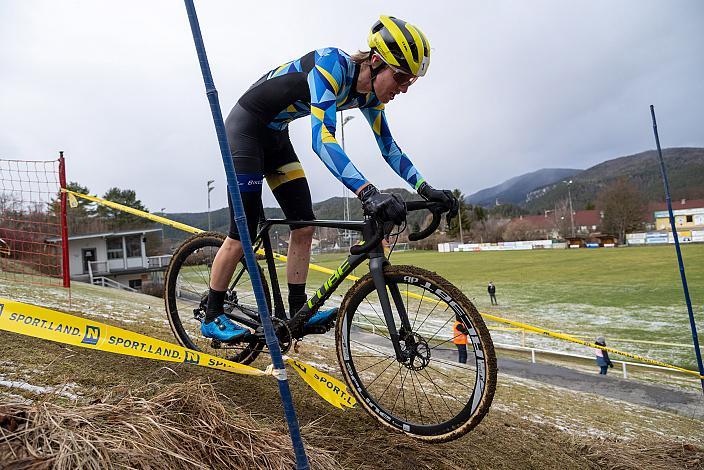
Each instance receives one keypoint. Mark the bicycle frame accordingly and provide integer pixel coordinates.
(377, 260)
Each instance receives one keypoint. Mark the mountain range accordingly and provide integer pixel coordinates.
(533, 192)
(514, 190)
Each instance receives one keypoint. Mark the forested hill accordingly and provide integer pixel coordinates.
(514, 190)
(685, 168)
(329, 209)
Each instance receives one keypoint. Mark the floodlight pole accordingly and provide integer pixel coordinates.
(569, 194)
(345, 199)
(692, 323)
(241, 221)
(210, 188)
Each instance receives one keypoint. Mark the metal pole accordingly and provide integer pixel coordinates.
(346, 200)
(163, 214)
(64, 226)
(210, 188)
(569, 194)
(241, 220)
(692, 323)
(344, 189)
(459, 220)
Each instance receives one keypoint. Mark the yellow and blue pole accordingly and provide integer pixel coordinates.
(692, 323)
(241, 221)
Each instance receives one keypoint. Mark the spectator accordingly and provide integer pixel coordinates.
(491, 289)
(602, 357)
(459, 337)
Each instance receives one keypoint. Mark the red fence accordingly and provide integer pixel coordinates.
(32, 214)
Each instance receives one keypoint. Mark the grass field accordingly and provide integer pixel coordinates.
(530, 424)
(630, 293)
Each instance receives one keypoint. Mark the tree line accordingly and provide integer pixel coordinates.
(90, 217)
(621, 202)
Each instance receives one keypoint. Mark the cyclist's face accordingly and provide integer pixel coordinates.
(389, 83)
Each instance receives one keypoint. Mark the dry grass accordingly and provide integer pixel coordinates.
(652, 455)
(186, 425)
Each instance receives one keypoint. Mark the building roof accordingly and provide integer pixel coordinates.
(105, 235)
(587, 218)
(677, 205)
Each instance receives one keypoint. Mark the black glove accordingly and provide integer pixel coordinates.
(387, 207)
(611, 365)
(444, 197)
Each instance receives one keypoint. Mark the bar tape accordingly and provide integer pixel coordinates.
(44, 323)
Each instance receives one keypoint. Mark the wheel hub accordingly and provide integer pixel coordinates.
(417, 351)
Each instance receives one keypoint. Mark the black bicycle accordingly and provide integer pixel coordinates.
(394, 331)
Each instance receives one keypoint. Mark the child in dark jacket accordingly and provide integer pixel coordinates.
(602, 357)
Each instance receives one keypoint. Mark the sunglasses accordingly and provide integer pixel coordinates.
(402, 78)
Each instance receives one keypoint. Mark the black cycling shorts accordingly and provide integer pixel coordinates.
(259, 152)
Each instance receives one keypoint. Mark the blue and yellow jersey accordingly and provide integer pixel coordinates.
(319, 84)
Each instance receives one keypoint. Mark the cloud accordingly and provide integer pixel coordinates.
(513, 87)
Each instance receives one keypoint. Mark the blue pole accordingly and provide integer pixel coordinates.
(241, 221)
(692, 323)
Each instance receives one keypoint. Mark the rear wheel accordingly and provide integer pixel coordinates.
(430, 395)
(186, 295)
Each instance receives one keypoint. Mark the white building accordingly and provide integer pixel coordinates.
(115, 259)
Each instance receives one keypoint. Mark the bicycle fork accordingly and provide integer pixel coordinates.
(376, 267)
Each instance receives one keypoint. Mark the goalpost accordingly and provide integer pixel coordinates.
(32, 211)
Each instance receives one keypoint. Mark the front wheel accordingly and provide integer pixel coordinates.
(430, 395)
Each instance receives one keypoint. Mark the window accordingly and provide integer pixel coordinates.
(135, 283)
(690, 218)
(134, 246)
(115, 248)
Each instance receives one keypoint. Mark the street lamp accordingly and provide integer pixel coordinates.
(345, 200)
(459, 220)
(163, 213)
(210, 188)
(569, 194)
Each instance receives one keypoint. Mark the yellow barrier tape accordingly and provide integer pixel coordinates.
(176, 225)
(328, 387)
(572, 339)
(643, 341)
(40, 322)
(137, 212)
(315, 267)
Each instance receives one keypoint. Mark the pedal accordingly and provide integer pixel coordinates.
(315, 330)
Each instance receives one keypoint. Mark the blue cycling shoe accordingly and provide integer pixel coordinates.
(322, 318)
(223, 329)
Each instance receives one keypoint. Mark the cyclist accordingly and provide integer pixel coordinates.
(320, 83)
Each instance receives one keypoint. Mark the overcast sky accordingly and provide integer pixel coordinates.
(513, 87)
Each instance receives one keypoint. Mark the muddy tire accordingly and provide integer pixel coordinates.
(432, 396)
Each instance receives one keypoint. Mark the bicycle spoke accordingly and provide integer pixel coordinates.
(400, 390)
(426, 397)
(376, 363)
(383, 322)
(367, 346)
(428, 315)
(445, 375)
(440, 394)
(415, 392)
(391, 381)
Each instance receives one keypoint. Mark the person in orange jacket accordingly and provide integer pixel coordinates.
(459, 337)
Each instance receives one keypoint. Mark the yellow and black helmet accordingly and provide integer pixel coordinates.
(400, 45)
